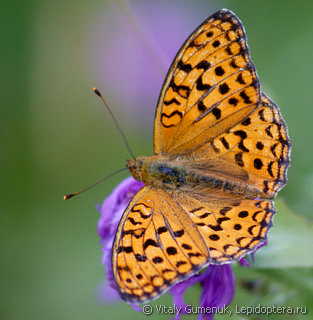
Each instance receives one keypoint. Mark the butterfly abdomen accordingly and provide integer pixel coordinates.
(169, 174)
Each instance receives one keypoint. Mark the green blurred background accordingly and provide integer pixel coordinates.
(56, 138)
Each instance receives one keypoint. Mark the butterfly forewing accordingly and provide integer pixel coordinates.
(259, 145)
(211, 85)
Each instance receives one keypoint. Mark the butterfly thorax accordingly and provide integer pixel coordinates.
(175, 174)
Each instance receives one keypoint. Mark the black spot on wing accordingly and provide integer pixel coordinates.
(186, 246)
(224, 210)
(133, 222)
(228, 51)
(140, 258)
(183, 91)
(225, 143)
(173, 100)
(266, 187)
(157, 260)
(191, 254)
(261, 115)
(201, 86)
(242, 147)
(270, 169)
(237, 226)
(205, 65)
(268, 131)
(216, 43)
(150, 242)
(217, 113)
(216, 227)
(242, 134)
(222, 219)
(233, 101)
(171, 250)
(223, 88)
(245, 98)
(161, 230)
(164, 115)
(204, 215)
(240, 79)
(260, 145)
(179, 233)
(258, 164)
(126, 249)
(219, 71)
(246, 122)
(273, 147)
(180, 263)
(196, 209)
(184, 67)
(238, 159)
(243, 214)
(214, 237)
(142, 215)
(201, 106)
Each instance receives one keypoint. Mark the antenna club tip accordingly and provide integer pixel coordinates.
(96, 91)
(68, 196)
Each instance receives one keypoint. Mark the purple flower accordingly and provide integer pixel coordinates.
(111, 213)
(218, 284)
(218, 288)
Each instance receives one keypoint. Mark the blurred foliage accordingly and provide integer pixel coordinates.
(56, 137)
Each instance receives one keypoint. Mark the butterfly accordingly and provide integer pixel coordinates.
(221, 153)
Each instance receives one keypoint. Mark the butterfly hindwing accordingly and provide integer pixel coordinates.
(230, 227)
(156, 245)
(211, 85)
(163, 239)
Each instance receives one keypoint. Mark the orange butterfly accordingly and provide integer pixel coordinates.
(221, 152)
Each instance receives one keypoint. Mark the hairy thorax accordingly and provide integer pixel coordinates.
(174, 174)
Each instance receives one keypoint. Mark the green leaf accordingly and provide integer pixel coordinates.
(289, 241)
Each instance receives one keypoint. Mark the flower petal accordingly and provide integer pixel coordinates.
(218, 288)
(111, 211)
(114, 206)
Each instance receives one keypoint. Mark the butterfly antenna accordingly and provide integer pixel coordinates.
(112, 116)
(71, 195)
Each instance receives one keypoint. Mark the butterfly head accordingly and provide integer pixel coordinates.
(135, 167)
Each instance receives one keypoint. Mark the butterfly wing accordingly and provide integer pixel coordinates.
(151, 251)
(239, 129)
(230, 227)
(259, 145)
(255, 151)
(163, 239)
(211, 85)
